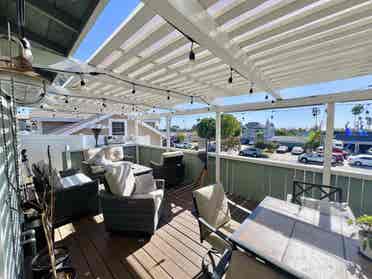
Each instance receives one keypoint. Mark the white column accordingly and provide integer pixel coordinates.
(218, 147)
(328, 144)
(136, 134)
(168, 120)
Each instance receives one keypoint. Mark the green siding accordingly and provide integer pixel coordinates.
(10, 250)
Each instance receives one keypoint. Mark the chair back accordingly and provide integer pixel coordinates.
(305, 189)
(211, 204)
(171, 158)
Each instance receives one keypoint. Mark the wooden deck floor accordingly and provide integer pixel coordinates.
(174, 251)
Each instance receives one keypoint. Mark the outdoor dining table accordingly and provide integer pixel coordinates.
(304, 242)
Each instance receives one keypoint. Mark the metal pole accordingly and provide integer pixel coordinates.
(328, 144)
(218, 147)
(168, 120)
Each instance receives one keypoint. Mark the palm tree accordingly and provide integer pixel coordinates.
(357, 110)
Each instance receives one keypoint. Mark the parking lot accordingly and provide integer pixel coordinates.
(288, 157)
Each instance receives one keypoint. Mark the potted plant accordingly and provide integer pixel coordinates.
(365, 234)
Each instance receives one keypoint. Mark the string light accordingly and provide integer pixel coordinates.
(251, 89)
(168, 97)
(66, 99)
(134, 89)
(153, 109)
(192, 53)
(230, 80)
(266, 97)
(192, 99)
(82, 81)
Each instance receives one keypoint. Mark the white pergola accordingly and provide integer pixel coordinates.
(270, 45)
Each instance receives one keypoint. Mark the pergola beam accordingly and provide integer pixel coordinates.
(194, 21)
(342, 97)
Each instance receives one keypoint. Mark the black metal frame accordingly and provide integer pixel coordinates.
(305, 188)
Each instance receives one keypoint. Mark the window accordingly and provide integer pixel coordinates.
(118, 127)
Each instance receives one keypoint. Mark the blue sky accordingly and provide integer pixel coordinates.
(117, 10)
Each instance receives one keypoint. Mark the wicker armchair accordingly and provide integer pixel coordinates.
(171, 168)
(137, 213)
(77, 198)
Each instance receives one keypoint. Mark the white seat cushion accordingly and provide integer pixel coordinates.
(73, 180)
(120, 179)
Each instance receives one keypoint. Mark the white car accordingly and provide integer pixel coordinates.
(297, 150)
(360, 160)
(282, 149)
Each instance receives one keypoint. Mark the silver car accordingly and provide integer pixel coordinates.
(360, 160)
(313, 158)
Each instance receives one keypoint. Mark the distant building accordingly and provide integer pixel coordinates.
(113, 126)
(269, 131)
(251, 129)
(355, 141)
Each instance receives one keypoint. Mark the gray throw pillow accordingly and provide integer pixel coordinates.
(144, 184)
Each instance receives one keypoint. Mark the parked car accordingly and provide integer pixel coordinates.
(282, 149)
(251, 152)
(339, 154)
(184, 145)
(313, 158)
(297, 150)
(360, 160)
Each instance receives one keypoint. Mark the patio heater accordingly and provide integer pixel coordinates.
(96, 132)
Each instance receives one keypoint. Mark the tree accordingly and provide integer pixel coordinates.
(181, 137)
(206, 128)
(314, 139)
(356, 111)
(230, 126)
(230, 130)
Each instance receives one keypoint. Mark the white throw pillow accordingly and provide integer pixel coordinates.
(114, 154)
(97, 158)
(120, 179)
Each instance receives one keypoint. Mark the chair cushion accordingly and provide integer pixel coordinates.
(98, 158)
(170, 154)
(120, 179)
(216, 241)
(74, 180)
(244, 266)
(157, 195)
(212, 205)
(90, 153)
(144, 184)
(229, 228)
(114, 154)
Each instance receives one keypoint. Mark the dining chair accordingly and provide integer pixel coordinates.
(235, 264)
(214, 218)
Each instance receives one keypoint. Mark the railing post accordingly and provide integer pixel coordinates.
(218, 147)
(168, 120)
(328, 144)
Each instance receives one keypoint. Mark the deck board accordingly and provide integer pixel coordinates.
(174, 251)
